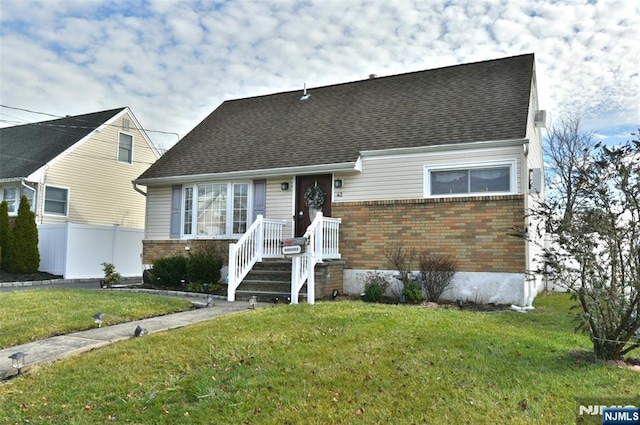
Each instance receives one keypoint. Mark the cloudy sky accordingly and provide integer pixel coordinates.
(173, 62)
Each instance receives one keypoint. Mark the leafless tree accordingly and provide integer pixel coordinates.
(567, 150)
(593, 222)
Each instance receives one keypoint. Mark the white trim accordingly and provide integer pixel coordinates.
(229, 209)
(250, 174)
(396, 152)
(16, 199)
(44, 201)
(513, 177)
(118, 160)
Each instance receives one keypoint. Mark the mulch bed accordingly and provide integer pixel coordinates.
(29, 277)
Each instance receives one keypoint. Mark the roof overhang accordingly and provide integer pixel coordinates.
(445, 148)
(11, 180)
(246, 174)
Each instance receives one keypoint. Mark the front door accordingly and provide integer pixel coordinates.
(313, 194)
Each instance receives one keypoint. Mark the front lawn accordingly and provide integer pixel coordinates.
(331, 363)
(30, 315)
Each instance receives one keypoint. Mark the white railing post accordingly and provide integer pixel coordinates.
(295, 266)
(231, 284)
(311, 274)
(260, 240)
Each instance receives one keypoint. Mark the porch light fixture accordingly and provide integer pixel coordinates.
(337, 183)
(18, 360)
(284, 185)
(99, 317)
(253, 301)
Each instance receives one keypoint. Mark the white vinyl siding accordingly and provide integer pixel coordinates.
(101, 188)
(280, 202)
(158, 213)
(402, 176)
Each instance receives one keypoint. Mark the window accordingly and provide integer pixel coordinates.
(10, 194)
(125, 148)
(56, 200)
(240, 202)
(215, 209)
(188, 211)
(498, 178)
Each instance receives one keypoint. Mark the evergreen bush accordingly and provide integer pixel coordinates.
(203, 268)
(5, 232)
(412, 292)
(170, 272)
(22, 252)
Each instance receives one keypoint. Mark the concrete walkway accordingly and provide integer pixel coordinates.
(59, 347)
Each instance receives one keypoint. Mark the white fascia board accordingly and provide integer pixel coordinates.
(11, 180)
(444, 148)
(270, 172)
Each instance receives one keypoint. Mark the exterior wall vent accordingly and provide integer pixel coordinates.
(540, 119)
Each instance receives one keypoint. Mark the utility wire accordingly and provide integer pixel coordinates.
(73, 126)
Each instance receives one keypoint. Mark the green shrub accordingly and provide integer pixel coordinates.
(5, 231)
(111, 277)
(203, 267)
(170, 272)
(375, 285)
(22, 252)
(412, 292)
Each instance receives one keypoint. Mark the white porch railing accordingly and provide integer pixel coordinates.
(323, 235)
(261, 240)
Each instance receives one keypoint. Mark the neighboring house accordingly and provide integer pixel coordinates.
(445, 160)
(77, 173)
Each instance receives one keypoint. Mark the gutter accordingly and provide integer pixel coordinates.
(269, 172)
(137, 189)
(445, 148)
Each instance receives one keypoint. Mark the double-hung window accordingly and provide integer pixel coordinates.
(13, 194)
(125, 148)
(10, 194)
(215, 209)
(56, 200)
(493, 178)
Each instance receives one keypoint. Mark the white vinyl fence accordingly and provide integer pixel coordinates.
(77, 251)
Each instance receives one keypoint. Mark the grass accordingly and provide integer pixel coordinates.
(35, 314)
(332, 363)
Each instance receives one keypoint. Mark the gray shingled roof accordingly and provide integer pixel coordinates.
(484, 101)
(25, 148)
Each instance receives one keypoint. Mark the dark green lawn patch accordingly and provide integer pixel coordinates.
(27, 316)
(334, 362)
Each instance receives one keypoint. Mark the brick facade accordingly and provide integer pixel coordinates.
(329, 276)
(475, 231)
(153, 250)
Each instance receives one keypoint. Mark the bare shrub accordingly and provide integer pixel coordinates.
(437, 274)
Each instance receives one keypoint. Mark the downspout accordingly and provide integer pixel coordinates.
(137, 189)
(35, 197)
